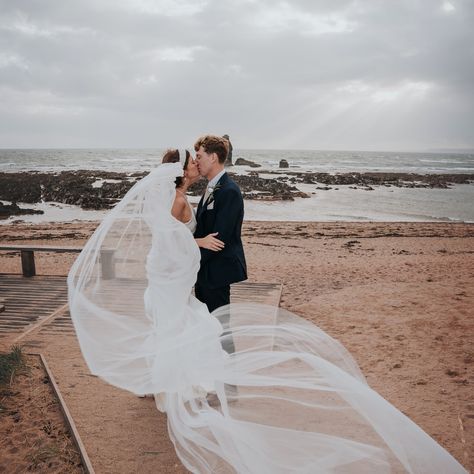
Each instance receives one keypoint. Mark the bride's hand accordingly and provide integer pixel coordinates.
(210, 242)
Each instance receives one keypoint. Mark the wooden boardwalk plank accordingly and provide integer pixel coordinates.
(28, 301)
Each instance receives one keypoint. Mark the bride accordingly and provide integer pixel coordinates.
(182, 209)
(303, 404)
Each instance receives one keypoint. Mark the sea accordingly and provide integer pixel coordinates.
(341, 203)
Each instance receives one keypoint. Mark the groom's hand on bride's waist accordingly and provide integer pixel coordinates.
(211, 242)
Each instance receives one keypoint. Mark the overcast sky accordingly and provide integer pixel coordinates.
(304, 74)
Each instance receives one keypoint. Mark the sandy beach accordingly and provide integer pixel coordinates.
(399, 296)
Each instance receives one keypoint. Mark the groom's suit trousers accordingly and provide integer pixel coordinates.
(223, 213)
(215, 299)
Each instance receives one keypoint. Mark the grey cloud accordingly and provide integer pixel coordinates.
(89, 74)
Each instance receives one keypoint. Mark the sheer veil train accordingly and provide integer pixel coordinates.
(302, 403)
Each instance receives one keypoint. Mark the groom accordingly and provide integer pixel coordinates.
(220, 210)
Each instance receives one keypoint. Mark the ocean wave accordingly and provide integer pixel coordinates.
(324, 161)
(446, 161)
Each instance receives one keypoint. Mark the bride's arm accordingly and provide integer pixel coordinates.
(210, 242)
(178, 208)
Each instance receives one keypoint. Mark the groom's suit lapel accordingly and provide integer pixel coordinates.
(202, 206)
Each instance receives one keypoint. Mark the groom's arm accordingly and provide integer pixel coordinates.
(228, 209)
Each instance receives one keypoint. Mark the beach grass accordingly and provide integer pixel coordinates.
(10, 364)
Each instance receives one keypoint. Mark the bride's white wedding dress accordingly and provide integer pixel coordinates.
(302, 404)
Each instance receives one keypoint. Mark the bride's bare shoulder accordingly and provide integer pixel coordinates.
(180, 198)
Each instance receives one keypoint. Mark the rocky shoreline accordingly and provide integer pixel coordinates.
(399, 180)
(91, 189)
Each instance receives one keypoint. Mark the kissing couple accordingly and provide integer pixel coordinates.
(290, 398)
(217, 223)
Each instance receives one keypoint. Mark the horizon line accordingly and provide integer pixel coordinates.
(463, 150)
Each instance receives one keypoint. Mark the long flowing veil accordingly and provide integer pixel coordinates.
(290, 398)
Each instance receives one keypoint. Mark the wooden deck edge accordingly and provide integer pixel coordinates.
(41, 322)
(279, 288)
(52, 275)
(86, 462)
(280, 292)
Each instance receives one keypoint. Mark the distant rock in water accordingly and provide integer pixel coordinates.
(256, 188)
(244, 162)
(283, 164)
(13, 209)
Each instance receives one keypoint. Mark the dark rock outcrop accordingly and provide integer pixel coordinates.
(255, 188)
(244, 162)
(68, 187)
(366, 180)
(13, 209)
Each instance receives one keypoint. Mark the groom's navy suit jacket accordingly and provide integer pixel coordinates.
(223, 212)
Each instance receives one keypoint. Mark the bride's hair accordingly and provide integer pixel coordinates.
(172, 156)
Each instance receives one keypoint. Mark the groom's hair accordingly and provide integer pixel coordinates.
(213, 144)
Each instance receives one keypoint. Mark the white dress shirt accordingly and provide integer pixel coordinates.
(212, 184)
(215, 180)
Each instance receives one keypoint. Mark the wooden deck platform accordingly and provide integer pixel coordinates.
(37, 303)
(36, 315)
